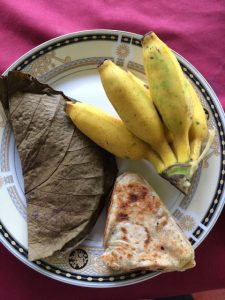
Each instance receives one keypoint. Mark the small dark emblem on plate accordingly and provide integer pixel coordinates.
(78, 259)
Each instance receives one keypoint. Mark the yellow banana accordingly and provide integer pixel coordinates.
(147, 91)
(199, 129)
(111, 134)
(169, 92)
(135, 108)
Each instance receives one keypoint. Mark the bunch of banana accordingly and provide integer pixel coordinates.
(135, 107)
(163, 122)
(178, 104)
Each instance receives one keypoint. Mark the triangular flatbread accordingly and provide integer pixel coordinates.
(140, 232)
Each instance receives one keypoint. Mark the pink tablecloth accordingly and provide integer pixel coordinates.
(195, 29)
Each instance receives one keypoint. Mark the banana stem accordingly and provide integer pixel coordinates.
(195, 148)
(180, 174)
(155, 160)
(181, 147)
(166, 154)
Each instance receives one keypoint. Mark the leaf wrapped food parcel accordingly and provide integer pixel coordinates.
(66, 176)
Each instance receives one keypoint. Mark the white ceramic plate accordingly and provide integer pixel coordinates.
(68, 63)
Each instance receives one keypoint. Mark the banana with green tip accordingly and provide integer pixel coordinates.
(169, 92)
